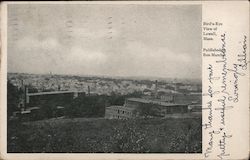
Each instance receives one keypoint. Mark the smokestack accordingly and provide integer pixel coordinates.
(26, 97)
(88, 90)
(22, 84)
(156, 89)
(24, 90)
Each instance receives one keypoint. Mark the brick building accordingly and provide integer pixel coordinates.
(135, 107)
(119, 112)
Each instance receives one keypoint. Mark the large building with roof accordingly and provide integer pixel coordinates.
(158, 103)
(160, 106)
(59, 97)
(136, 107)
(119, 112)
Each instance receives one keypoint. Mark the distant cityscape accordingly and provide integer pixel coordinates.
(101, 85)
(163, 97)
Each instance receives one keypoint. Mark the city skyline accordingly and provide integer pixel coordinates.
(149, 78)
(106, 40)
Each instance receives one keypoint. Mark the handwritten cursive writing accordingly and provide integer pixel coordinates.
(210, 92)
(224, 65)
(209, 149)
(211, 74)
(222, 145)
(235, 97)
(222, 109)
(242, 57)
(210, 115)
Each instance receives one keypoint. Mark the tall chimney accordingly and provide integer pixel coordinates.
(156, 89)
(22, 84)
(26, 97)
(88, 90)
(23, 95)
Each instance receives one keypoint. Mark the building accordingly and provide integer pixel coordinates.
(195, 108)
(33, 105)
(166, 97)
(156, 103)
(139, 107)
(119, 112)
(190, 98)
(160, 108)
(58, 97)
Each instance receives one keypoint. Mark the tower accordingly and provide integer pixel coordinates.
(26, 91)
(88, 91)
(156, 89)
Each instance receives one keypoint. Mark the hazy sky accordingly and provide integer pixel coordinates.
(115, 40)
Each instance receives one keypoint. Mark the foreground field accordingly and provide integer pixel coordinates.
(101, 135)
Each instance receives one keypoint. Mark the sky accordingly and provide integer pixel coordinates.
(111, 40)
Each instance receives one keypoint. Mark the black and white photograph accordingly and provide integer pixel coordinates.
(104, 78)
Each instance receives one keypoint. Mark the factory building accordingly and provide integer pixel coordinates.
(195, 108)
(31, 104)
(160, 104)
(136, 107)
(162, 107)
(59, 97)
(119, 112)
(191, 98)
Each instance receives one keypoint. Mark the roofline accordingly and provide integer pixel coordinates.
(54, 92)
(155, 102)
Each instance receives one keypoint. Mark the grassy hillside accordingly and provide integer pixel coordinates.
(102, 135)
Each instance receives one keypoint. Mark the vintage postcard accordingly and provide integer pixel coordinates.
(124, 80)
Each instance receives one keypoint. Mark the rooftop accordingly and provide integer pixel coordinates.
(149, 101)
(53, 92)
(120, 107)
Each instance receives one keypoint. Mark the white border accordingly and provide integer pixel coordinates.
(60, 156)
